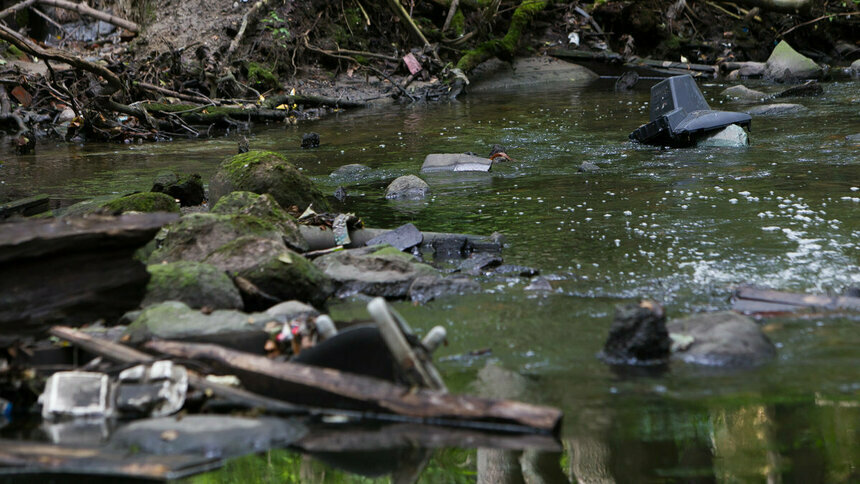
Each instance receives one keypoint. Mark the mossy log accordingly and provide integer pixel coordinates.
(507, 45)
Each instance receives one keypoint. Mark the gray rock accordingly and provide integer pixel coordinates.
(853, 137)
(145, 202)
(750, 69)
(720, 339)
(496, 75)
(374, 271)
(742, 93)
(479, 262)
(276, 272)
(427, 288)
(195, 236)
(408, 187)
(854, 70)
(404, 237)
(351, 171)
(638, 336)
(732, 136)
(786, 64)
(776, 109)
(188, 189)
(521, 271)
(539, 284)
(588, 167)
(289, 310)
(194, 283)
(175, 320)
(807, 89)
(266, 172)
(207, 435)
(266, 208)
(455, 162)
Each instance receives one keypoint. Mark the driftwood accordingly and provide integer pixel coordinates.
(751, 300)
(84, 9)
(25, 207)
(38, 458)
(71, 269)
(304, 384)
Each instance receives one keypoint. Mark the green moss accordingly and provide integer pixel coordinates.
(143, 202)
(263, 75)
(458, 23)
(386, 249)
(506, 46)
(266, 172)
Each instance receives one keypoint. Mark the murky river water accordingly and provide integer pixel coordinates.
(681, 226)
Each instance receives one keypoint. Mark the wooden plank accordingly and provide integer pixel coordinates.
(19, 457)
(304, 384)
(798, 300)
(25, 207)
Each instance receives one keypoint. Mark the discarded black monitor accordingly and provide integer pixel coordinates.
(680, 115)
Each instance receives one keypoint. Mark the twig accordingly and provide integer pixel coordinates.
(84, 9)
(186, 97)
(14, 8)
(721, 9)
(338, 56)
(450, 17)
(804, 24)
(49, 19)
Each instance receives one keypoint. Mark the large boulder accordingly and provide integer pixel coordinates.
(720, 339)
(196, 284)
(264, 207)
(145, 202)
(379, 270)
(196, 235)
(188, 189)
(786, 64)
(265, 172)
(854, 70)
(275, 273)
(175, 320)
(408, 187)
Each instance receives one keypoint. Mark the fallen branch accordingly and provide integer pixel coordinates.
(824, 17)
(167, 92)
(84, 9)
(14, 8)
(306, 384)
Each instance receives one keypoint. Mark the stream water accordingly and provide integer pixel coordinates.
(682, 226)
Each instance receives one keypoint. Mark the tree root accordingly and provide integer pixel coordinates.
(505, 47)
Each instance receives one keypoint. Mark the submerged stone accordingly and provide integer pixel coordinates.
(429, 287)
(742, 93)
(266, 172)
(196, 284)
(721, 339)
(408, 187)
(776, 109)
(379, 270)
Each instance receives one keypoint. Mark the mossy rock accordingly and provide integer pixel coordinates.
(188, 189)
(262, 75)
(196, 235)
(786, 64)
(274, 270)
(264, 207)
(175, 320)
(266, 172)
(379, 270)
(196, 284)
(136, 202)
